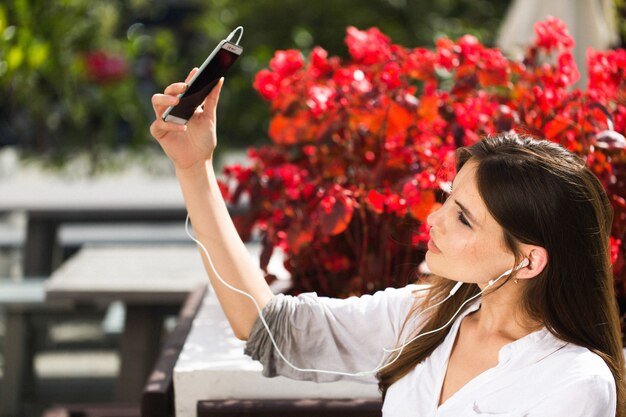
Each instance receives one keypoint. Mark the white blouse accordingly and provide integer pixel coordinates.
(536, 376)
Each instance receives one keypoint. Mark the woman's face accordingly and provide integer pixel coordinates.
(466, 243)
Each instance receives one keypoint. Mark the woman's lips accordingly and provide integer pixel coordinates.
(432, 247)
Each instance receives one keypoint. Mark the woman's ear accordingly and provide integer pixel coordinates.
(537, 260)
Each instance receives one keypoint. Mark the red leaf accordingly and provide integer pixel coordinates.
(376, 201)
(399, 120)
(335, 213)
(554, 128)
(298, 237)
(429, 108)
(425, 207)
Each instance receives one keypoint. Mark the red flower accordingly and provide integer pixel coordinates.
(568, 70)
(470, 49)
(291, 176)
(396, 204)
(104, 67)
(553, 34)
(368, 47)
(224, 189)
(422, 236)
(238, 172)
(286, 63)
(607, 72)
(376, 201)
(411, 193)
(420, 64)
(615, 245)
(320, 99)
(319, 61)
(493, 68)
(446, 56)
(390, 75)
(352, 78)
(362, 147)
(476, 113)
(267, 83)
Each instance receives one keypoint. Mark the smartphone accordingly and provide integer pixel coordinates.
(207, 76)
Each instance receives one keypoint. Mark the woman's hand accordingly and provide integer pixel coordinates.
(191, 144)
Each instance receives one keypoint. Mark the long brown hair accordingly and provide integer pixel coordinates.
(540, 194)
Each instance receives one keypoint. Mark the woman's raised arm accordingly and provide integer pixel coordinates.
(190, 148)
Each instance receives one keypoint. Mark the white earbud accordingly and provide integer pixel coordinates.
(521, 265)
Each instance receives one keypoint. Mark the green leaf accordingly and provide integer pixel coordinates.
(4, 23)
(15, 57)
(38, 55)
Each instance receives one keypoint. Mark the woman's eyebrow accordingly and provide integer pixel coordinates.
(467, 213)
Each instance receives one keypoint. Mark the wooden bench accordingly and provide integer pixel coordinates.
(11, 237)
(157, 398)
(11, 244)
(152, 281)
(291, 408)
(93, 410)
(27, 316)
(51, 201)
(72, 236)
(15, 300)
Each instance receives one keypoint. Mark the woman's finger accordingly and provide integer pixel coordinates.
(160, 102)
(170, 96)
(175, 89)
(191, 74)
(159, 128)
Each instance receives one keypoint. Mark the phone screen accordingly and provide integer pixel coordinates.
(204, 83)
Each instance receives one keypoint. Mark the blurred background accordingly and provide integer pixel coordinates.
(76, 77)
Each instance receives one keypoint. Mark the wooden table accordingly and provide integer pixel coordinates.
(151, 281)
(51, 202)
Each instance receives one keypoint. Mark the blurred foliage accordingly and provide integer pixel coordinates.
(620, 7)
(293, 24)
(77, 75)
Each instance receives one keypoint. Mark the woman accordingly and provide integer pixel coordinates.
(525, 228)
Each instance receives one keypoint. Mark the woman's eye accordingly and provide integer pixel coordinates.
(463, 220)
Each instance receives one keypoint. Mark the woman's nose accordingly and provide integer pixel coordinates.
(433, 218)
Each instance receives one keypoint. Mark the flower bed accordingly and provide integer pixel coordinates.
(361, 148)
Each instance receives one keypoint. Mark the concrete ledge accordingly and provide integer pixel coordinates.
(212, 366)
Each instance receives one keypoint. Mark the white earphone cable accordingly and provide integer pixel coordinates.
(385, 350)
(232, 34)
